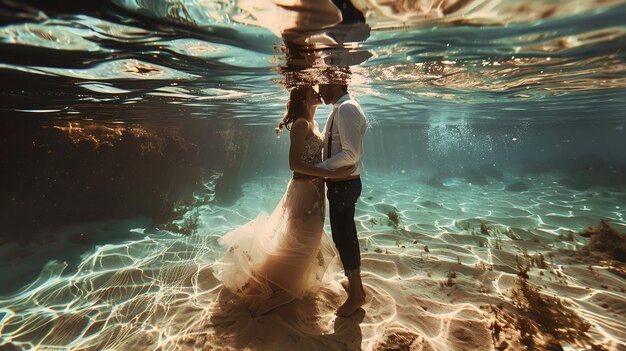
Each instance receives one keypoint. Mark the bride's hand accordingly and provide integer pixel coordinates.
(345, 171)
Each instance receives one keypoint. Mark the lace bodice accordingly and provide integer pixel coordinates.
(312, 153)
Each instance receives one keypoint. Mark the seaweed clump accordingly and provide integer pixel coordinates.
(605, 240)
(484, 229)
(548, 314)
(541, 321)
(394, 218)
(400, 338)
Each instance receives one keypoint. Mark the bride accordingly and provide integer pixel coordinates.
(275, 259)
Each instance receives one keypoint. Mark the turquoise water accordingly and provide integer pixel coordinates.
(135, 133)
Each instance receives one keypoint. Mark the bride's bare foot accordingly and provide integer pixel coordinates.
(346, 285)
(352, 304)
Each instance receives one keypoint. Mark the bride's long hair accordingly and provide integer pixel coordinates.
(296, 107)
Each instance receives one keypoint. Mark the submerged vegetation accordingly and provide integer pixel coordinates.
(394, 218)
(539, 321)
(604, 240)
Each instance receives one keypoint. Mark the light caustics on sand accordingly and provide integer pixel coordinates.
(433, 255)
(120, 297)
(159, 291)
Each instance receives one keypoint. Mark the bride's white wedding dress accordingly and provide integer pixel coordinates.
(274, 259)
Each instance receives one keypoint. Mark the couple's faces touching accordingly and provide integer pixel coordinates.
(325, 95)
(312, 97)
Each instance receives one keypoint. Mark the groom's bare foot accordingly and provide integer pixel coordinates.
(352, 304)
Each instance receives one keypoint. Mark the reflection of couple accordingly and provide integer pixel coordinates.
(274, 259)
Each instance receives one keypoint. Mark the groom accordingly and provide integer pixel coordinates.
(343, 146)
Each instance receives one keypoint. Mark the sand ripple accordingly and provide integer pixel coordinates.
(442, 270)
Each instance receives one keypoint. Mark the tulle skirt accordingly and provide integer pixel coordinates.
(274, 259)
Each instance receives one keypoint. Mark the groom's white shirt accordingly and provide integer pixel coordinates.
(349, 128)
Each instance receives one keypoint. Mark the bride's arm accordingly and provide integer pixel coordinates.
(299, 131)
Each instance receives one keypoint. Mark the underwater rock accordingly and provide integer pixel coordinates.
(89, 171)
(581, 172)
(384, 208)
(535, 166)
(151, 230)
(11, 347)
(586, 179)
(517, 186)
(474, 176)
(491, 171)
(431, 204)
(435, 182)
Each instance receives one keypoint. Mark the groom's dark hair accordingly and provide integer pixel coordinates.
(338, 76)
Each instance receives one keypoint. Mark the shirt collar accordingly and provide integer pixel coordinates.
(341, 100)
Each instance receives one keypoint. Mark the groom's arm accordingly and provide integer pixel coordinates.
(349, 122)
(299, 131)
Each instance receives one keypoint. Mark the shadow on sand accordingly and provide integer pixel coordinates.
(307, 324)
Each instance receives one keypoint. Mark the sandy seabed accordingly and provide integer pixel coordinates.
(456, 267)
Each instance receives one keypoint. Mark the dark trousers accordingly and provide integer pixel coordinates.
(342, 198)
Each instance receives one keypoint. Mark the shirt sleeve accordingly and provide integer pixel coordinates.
(349, 122)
